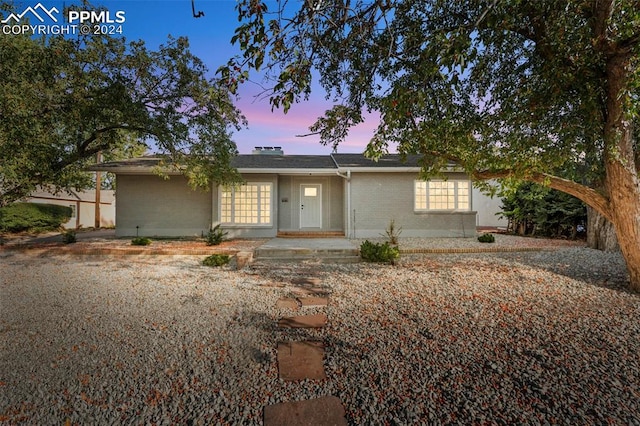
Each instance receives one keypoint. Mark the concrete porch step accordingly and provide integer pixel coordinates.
(318, 259)
(310, 234)
(296, 255)
(326, 250)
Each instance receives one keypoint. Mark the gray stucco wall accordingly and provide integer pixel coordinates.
(162, 208)
(376, 198)
(487, 207)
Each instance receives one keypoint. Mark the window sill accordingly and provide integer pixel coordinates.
(420, 212)
(243, 225)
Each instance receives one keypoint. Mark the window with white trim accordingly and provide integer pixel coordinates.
(442, 195)
(248, 204)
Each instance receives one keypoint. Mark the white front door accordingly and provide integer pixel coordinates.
(311, 205)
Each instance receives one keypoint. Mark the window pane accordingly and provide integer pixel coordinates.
(225, 210)
(441, 195)
(420, 195)
(463, 195)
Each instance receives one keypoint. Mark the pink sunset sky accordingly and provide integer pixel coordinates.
(267, 128)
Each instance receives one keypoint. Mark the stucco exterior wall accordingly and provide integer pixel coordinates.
(487, 208)
(160, 208)
(85, 209)
(377, 198)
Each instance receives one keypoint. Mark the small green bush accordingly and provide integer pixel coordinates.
(216, 260)
(487, 238)
(33, 217)
(140, 241)
(69, 237)
(381, 253)
(215, 236)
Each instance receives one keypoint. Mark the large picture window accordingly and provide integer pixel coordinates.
(442, 195)
(248, 204)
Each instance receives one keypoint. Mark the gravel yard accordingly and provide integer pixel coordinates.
(502, 338)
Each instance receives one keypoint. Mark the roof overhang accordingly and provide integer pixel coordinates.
(296, 172)
(379, 169)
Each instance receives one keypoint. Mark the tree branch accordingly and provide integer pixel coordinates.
(627, 45)
(82, 148)
(602, 10)
(588, 195)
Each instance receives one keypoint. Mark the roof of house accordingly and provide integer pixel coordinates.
(389, 160)
(142, 163)
(88, 195)
(257, 162)
(253, 161)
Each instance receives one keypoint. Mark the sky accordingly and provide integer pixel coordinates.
(209, 37)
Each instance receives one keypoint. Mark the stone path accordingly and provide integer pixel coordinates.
(304, 360)
(323, 411)
(303, 321)
(301, 360)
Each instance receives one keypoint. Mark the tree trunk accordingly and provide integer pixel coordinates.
(601, 234)
(626, 216)
(622, 182)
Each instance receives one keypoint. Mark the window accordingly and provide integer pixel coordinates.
(442, 195)
(310, 191)
(73, 210)
(248, 204)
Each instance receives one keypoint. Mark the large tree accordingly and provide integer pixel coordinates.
(64, 99)
(507, 89)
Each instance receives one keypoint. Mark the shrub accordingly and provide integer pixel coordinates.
(216, 260)
(393, 233)
(215, 236)
(534, 209)
(487, 238)
(69, 237)
(34, 217)
(376, 252)
(140, 241)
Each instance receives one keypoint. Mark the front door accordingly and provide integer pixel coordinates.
(310, 205)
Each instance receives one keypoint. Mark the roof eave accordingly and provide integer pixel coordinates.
(359, 169)
(284, 171)
(139, 170)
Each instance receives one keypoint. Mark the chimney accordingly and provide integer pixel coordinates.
(268, 150)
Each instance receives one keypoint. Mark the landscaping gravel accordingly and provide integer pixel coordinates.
(502, 338)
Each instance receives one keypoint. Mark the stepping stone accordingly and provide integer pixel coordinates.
(243, 258)
(303, 321)
(301, 360)
(313, 302)
(309, 286)
(287, 303)
(273, 284)
(311, 291)
(306, 282)
(324, 411)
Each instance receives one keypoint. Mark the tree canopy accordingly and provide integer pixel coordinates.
(507, 89)
(63, 100)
